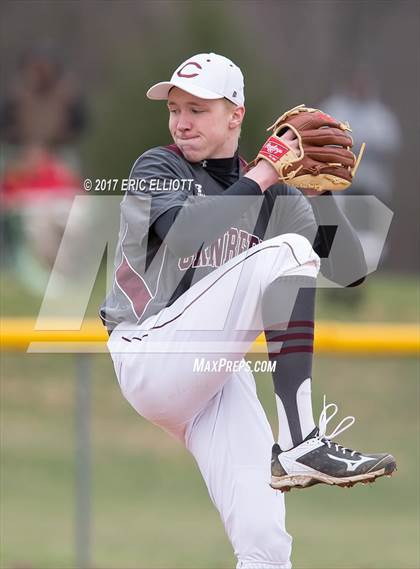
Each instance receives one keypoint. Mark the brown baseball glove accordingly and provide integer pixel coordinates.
(324, 160)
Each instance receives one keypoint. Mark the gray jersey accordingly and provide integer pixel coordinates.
(148, 275)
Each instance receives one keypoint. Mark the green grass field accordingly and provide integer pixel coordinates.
(150, 508)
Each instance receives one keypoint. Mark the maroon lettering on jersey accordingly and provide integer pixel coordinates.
(216, 252)
(244, 238)
(231, 244)
(225, 248)
(185, 263)
(133, 286)
(203, 259)
(254, 241)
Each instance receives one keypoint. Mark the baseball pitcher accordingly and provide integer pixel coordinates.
(211, 252)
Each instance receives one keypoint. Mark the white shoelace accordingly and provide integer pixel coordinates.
(343, 425)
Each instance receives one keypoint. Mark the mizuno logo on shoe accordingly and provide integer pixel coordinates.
(352, 465)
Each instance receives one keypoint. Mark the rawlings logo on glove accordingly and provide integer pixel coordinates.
(274, 149)
(324, 160)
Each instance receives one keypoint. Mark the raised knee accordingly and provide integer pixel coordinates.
(299, 248)
(300, 245)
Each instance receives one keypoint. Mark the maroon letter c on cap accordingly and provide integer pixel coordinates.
(188, 75)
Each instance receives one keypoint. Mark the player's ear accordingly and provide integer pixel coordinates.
(237, 116)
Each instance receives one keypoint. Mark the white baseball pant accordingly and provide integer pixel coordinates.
(217, 414)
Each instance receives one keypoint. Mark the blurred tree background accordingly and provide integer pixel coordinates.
(290, 52)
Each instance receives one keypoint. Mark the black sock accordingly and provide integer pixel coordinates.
(289, 335)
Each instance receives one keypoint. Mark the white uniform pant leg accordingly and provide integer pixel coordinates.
(218, 317)
(231, 441)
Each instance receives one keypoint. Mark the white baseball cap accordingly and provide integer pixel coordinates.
(205, 75)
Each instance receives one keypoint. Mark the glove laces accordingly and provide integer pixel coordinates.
(342, 426)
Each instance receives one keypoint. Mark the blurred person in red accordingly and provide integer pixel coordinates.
(41, 119)
(44, 106)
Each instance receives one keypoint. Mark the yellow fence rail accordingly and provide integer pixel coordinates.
(330, 337)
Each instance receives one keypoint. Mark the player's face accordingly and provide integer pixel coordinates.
(203, 128)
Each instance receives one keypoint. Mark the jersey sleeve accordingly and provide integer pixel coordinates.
(337, 243)
(321, 221)
(291, 212)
